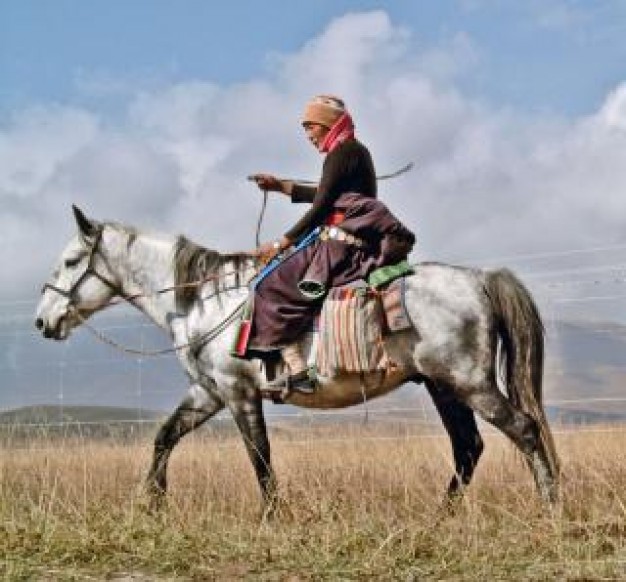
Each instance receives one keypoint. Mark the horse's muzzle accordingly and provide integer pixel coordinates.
(56, 333)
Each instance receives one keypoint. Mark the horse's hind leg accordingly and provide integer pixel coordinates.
(195, 409)
(467, 444)
(523, 430)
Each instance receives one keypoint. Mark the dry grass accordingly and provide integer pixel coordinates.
(360, 505)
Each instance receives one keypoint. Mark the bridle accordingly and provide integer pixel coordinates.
(90, 270)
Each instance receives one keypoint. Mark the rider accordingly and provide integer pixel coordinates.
(358, 234)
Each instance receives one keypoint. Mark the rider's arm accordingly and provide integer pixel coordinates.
(323, 197)
(348, 168)
(303, 193)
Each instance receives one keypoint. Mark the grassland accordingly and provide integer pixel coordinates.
(357, 503)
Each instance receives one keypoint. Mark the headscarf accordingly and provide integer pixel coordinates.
(330, 112)
(323, 109)
(340, 132)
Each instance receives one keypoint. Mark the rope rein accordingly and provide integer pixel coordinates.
(197, 283)
(200, 341)
(259, 223)
(197, 342)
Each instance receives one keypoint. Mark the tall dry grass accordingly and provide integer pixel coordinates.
(357, 503)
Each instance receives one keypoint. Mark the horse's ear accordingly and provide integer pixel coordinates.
(86, 227)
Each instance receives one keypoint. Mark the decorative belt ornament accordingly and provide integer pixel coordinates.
(336, 233)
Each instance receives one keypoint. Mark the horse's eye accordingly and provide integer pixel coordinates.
(69, 263)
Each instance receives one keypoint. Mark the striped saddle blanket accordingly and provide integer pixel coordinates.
(352, 326)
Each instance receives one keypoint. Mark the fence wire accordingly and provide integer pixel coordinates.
(579, 287)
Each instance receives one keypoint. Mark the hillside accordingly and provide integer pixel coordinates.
(586, 362)
(48, 415)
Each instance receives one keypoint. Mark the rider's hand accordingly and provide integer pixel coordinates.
(267, 251)
(269, 183)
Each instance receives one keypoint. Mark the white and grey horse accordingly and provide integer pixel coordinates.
(460, 316)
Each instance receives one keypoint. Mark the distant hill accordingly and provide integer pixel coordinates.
(93, 422)
(49, 421)
(577, 416)
(586, 367)
(47, 415)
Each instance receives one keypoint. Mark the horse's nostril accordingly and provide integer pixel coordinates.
(39, 323)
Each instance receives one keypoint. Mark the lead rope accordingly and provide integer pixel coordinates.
(250, 299)
(260, 221)
(203, 339)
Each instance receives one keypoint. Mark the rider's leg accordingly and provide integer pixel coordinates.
(292, 354)
(298, 377)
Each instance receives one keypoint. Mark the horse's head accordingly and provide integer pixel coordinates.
(80, 285)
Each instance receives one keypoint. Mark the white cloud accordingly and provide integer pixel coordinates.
(488, 181)
(37, 140)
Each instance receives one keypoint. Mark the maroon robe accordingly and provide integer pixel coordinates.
(282, 313)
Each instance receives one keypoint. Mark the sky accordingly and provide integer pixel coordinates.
(152, 113)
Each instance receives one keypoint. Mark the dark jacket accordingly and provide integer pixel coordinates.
(348, 168)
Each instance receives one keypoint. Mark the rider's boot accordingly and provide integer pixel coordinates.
(298, 379)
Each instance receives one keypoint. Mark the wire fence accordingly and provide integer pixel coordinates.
(581, 293)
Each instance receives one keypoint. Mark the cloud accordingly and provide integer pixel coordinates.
(488, 181)
(36, 141)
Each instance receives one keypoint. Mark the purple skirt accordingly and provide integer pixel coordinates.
(282, 313)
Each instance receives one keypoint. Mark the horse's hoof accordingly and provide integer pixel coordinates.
(451, 503)
(157, 499)
(274, 509)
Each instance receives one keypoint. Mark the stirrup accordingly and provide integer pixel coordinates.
(303, 382)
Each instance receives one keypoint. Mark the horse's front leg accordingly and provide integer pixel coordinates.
(195, 409)
(247, 409)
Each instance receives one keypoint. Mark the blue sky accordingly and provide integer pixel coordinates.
(153, 113)
(536, 55)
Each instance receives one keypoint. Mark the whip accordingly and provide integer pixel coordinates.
(408, 167)
(252, 178)
(395, 174)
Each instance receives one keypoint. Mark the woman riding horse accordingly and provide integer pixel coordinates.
(345, 235)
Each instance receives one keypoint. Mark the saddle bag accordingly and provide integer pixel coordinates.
(351, 332)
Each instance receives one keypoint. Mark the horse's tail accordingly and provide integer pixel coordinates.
(520, 328)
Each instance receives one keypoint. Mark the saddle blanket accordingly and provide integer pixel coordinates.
(350, 332)
(352, 324)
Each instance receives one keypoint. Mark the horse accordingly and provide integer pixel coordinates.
(470, 328)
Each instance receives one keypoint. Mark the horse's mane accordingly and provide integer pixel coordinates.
(193, 263)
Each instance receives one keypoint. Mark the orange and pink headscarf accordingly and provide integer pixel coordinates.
(330, 112)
